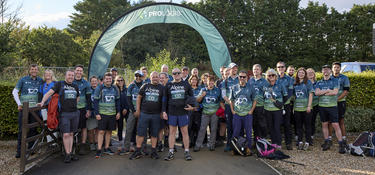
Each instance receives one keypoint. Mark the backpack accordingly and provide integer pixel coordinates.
(54, 108)
(364, 145)
(264, 147)
(239, 145)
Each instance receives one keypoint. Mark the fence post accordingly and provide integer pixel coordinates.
(24, 129)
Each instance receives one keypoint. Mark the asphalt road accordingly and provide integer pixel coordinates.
(204, 162)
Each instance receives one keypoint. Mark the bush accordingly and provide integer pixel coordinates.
(8, 112)
(359, 119)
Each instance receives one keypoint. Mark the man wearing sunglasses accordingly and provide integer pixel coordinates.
(286, 81)
(132, 93)
(177, 92)
(242, 106)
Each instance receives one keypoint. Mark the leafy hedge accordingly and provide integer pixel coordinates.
(359, 116)
(8, 112)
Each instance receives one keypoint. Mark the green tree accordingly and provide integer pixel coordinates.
(164, 57)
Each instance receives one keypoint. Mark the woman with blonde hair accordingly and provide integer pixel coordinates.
(120, 84)
(315, 108)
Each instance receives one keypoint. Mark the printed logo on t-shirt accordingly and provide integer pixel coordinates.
(32, 90)
(152, 94)
(178, 92)
(239, 101)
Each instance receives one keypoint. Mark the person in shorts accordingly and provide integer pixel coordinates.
(177, 92)
(107, 111)
(149, 107)
(341, 97)
(84, 103)
(92, 123)
(69, 113)
(327, 90)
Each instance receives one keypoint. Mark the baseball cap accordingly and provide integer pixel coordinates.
(326, 66)
(113, 69)
(138, 72)
(232, 65)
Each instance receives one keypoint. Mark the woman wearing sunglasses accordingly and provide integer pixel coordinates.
(274, 96)
(120, 83)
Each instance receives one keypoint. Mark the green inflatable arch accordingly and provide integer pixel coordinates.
(159, 13)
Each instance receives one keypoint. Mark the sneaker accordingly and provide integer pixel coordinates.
(326, 145)
(74, 157)
(212, 148)
(342, 147)
(170, 156)
(68, 158)
(123, 152)
(18, 155)
(196, 149)
(289, 147)
(227, 148)
(329, 143)
(154, 155)
(98, 154)
(108, 151)
(306, 146)
(160, 147)
(300, 146)
(136, 155)
(188, 156)
(92, 147)
(132, 147)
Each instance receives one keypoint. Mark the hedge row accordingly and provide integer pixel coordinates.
(360, 113)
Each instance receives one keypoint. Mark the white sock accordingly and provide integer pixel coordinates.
(344, 137)
(186, 150)
(171, 150)
(329, 137)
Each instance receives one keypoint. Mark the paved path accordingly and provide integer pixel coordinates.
(204, 162)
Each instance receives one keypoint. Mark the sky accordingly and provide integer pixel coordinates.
(55, 13)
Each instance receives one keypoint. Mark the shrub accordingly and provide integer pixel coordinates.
(8, 112)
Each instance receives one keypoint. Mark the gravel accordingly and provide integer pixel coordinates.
(321, 162)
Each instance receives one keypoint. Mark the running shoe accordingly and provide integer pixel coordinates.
(160, 147)
(326, 145)
(170, 156)
(98, 154)
(68, 158)
(135, 155)
(188, 156)
(108, 151)
(306, 146)
(74, 157)
(300, 146)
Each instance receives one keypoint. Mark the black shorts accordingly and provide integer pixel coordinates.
(107, 122)
(68, 122)
(82, 118)
(151, 121)
(328, 114)
(341, 107)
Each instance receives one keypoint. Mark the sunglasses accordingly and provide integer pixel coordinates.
(119, 80)
(243, 76)
(176, 73)
(280, 66)
(272, 75)
(138, 76)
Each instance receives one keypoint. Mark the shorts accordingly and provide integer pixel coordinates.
(69, 122)
(341, 107)
(328, 114)
(151, 121)
(182, 120)
(82, 118)
(91, 123)
(107, 122)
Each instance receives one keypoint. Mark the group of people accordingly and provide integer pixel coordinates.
(157, 105)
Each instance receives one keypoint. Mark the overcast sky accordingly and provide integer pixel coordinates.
(55, 13)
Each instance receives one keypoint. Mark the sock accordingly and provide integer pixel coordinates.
(171, 150)
(329, 137)
(186, 150)
(344, 137)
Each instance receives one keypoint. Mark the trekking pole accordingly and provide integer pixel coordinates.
(293, 162)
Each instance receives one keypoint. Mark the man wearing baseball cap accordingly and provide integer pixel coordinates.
(327, 90)
(226, 88)
(132, 93)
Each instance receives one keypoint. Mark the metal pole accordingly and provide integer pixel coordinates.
(373, 39)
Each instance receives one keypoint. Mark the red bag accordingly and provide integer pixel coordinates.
(53, 105)
(220, 113)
